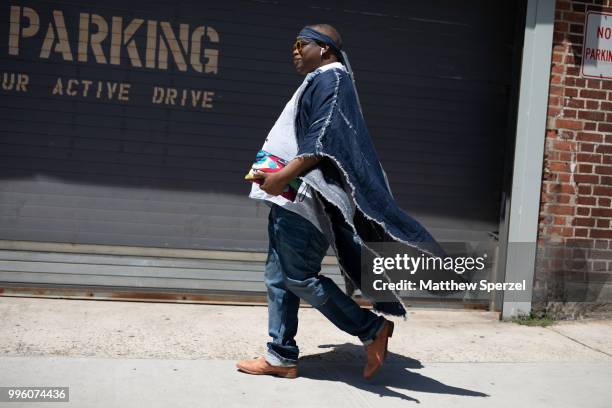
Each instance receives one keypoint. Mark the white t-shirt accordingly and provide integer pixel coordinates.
(282, 142)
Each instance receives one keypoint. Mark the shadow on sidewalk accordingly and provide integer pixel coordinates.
(332, 366)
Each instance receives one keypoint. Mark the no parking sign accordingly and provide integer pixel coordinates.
(597, 47)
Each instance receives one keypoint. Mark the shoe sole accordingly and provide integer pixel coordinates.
(289, 374)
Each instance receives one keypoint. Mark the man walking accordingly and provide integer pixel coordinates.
(344, 201)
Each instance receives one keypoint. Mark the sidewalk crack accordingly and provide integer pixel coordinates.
(579, 342)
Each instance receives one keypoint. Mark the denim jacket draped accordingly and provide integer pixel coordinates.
(329, 123)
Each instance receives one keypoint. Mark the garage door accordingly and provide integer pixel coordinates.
(133, 123)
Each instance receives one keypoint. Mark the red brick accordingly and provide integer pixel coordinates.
(591, 158)
(563, 177)
(602, 191)
(561, 188)
(561, 209)
(584, 222)
(603, 170)
(604, 127)
(587, 147)
(562, 199)
(590, 94)
(592, 104)
(604, 149)
(570, 92)
(564, 145)
(580, 243)
(604, 202)
(566, 134)
(577, 103)
(569, 113)
(585, 168)
(555, 90)
(562, 231)
(590, 126)
(554, 101)
(589, 137)
(575, 71)
(601, 233)
(554, 111)
(606, 84)
(585, 190)
(558, 69)
(601, 212)
(586, 179)
(569, 124)
(559, 166)
(607, 106)
(594, 84)
(581, 232)
(603, 223)
(590, 115)
(560, 47)
(583, 211)
(586, 200)
(560, 221)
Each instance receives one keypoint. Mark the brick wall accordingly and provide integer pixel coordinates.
(575, 229)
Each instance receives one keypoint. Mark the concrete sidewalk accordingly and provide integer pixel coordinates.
(167, 354)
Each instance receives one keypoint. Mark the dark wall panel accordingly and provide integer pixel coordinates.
(434, 79)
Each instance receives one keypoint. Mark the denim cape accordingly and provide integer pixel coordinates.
(329, 123)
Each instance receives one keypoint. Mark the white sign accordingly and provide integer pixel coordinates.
(597, 47)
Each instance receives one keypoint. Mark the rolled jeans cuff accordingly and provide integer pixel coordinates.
(276, 360)
(369, 341)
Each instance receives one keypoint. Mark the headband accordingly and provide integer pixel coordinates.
(308, 33)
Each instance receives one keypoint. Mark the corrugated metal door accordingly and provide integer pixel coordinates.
(180, 95)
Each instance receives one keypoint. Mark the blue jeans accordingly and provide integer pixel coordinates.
(292, 269)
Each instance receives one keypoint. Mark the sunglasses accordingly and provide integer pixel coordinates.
(300, 43)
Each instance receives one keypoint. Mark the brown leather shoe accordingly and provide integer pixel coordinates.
(377, 350)
(260, 366)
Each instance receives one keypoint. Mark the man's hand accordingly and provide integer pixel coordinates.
(273, 183)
